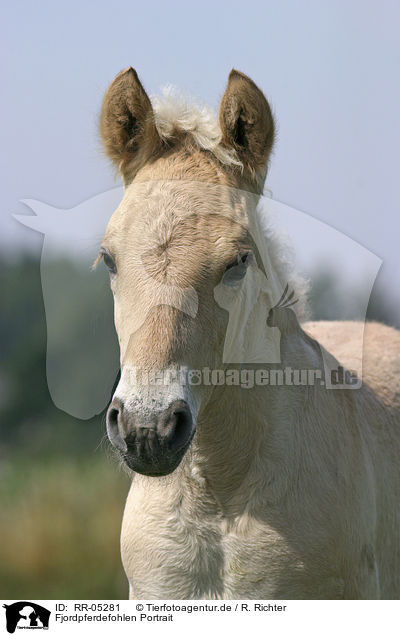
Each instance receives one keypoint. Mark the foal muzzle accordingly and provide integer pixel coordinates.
(153, 445)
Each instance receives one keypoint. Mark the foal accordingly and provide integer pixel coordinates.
(288, 491)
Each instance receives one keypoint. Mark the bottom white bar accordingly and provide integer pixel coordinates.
(176, 617)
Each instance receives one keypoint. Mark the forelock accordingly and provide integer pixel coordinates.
(175, 113)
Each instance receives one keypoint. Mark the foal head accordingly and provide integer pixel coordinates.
(179, 232)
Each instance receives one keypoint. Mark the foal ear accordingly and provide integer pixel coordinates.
(127, 122)
(247, 123)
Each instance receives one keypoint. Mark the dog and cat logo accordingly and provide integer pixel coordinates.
(26, 615)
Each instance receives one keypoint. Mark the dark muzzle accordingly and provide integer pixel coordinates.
(155, 446)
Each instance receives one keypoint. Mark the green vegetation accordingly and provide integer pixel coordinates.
(59, 536)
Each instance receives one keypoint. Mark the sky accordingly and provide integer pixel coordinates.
(330, 70)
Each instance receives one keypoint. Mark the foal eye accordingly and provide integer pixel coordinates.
(236, 270)
(241, 258)
(109, 262)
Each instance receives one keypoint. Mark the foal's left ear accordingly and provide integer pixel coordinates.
(247, 123)
(127, 123)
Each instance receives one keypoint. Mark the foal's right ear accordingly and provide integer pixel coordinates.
(127, 123)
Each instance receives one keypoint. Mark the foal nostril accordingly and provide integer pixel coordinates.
(175, 425)
(113, 430)
(112, 417)
(183, 426)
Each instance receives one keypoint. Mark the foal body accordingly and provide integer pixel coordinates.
(268, 492)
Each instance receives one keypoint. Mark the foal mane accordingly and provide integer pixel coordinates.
(176, 113)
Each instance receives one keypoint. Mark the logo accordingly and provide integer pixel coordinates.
(261, 317)
(26, 615)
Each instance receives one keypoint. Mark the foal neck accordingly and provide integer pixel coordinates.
(224, 459)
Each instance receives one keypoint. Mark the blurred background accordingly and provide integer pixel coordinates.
(330, 71)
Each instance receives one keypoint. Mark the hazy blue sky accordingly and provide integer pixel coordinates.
(329, 68)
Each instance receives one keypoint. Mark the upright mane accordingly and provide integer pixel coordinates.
(176, 113)
(277, 253)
